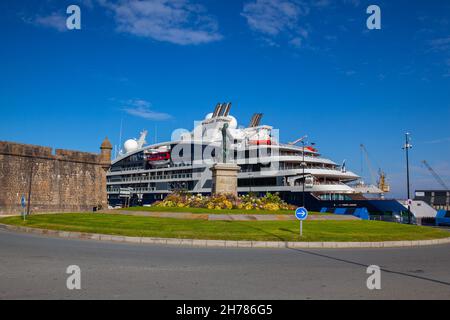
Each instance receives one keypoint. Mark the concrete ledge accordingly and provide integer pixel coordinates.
(224, 243)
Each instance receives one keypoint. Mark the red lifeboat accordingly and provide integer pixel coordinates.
(159, 156)
(266, 142)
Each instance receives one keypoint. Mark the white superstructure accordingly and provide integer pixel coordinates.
(267, 165)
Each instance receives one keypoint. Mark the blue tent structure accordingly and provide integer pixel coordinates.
(443, 218)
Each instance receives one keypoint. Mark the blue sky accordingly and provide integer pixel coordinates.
(312, 67)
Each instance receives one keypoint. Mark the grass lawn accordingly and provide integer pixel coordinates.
(211, 211)
(228, 230)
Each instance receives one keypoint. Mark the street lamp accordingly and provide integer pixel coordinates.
(304, 165)
(406, 147)
(29, 187)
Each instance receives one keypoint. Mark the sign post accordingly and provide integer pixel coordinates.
(126, 193)
(301, 214)
(23, 203)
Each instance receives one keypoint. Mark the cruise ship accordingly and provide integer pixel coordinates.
(142, 174)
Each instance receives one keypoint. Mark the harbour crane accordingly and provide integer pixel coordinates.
(381, 182)
(369, 163)
(435, 175)
(141, 141)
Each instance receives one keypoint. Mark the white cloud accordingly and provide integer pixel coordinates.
(436, 141)
(296, 42)
(331, 38)
(272, 18)
(88, 3)
(176, 21)
(441, 44)
(355, 3)
(55, 21)
(321, 3)
(141, 108)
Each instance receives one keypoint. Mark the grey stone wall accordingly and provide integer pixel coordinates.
(66, 181)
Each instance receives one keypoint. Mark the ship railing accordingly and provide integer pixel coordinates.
(154, 178)
(143, 189)
(133, 190)
(320, 183)
(131, 169)
(140, 169)
(284, 166)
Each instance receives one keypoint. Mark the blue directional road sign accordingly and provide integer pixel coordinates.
(23, 202)
(301, 213)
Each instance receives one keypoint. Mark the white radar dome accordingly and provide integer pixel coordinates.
(233, 123)
(209, 116)
(130, 146)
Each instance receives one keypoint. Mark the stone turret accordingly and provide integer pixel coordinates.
(105, 154)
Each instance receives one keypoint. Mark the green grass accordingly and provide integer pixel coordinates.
(228, 230)
(211, 211)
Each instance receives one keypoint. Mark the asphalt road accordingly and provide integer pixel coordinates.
(34, 267)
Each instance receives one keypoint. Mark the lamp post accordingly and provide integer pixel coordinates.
(304, 180)
(406, 147)
(29, 188)
(304, 165)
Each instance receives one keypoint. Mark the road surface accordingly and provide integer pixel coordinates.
(34, 267)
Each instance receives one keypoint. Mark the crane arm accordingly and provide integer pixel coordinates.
(298, 140)
(141, 140)
(435, 175)
(369, 164)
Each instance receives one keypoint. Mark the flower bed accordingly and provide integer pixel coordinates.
(271, 202)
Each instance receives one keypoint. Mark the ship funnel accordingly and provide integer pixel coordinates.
(256, 120)
(222, 110)
(227, 109)
(217, 110)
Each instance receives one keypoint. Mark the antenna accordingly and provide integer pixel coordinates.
(120, 134)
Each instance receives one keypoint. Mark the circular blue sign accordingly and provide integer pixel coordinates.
(301, 213)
